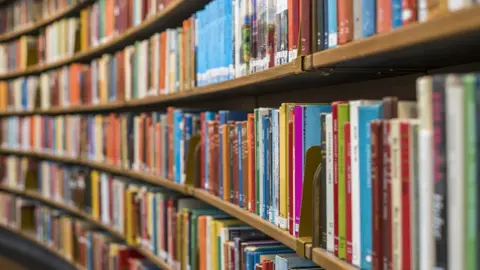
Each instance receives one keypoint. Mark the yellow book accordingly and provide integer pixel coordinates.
(130, 193)
(437, 7)
(112, 256)
(226, 162)
(67, 237)
(179, 239)
(99, 137)
(84, 29)
(212, 227)
(95, 178)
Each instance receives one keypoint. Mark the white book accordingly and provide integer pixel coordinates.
(454, 96)
(330, 185)
(425, 154)
(454, 5)
(396, 190)
(422, 6)
(105, 218)
(357, 24)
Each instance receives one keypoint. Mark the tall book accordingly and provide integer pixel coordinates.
(343, 117)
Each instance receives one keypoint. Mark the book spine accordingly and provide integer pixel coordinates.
(335, 174)
(306, 27)
(422, 10)
(298, 165)
(293, 26)
(455, 147)
(343, 117)
(440, 199)
(345, 21)
(406, 204)
(355, 182)
(290, 176)
(323, 182)
(377, 194)
(409, 11)
(348, 192)
(330, 185)
(332, 23)
(384, 16)
(251, 163)
(396, 14)
(387, 213)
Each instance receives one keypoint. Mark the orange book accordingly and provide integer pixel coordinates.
(3, 96)
(226, 162)
(75, 70)
(148, 142)
(384, 16)
(163, 60)
(345, 21)
(251, 161)
(202, 246)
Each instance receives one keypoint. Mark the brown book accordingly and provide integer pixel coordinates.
(232, 130)
(317, 205)
(213, 145)
(120, 59)
(376, 131)
(306, 27)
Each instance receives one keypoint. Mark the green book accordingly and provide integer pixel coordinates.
(469, 81)
(343, 117)
(101, 23)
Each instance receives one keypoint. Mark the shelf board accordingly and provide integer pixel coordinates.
(235, 211)
(73, 210)
(37, 242)
(171, 16)
(33, 28)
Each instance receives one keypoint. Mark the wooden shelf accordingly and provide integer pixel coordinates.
(74, 211)
(322, 258)
(171, 16)
(43, 245)
(34, 27)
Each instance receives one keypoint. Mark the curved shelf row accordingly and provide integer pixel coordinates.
(411, 49)
(319, 256)
(58, 205)
(171, 16)
(32, 28)
(41, 244)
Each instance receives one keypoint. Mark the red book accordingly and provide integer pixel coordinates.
(409, 11)
(384, 16)
(306, 24)
(348, 186)
(335, 170)
(158, 146)
(251, 162)
(405, 175)
(345, 21)
(213, 145)
(291, 226)
(293, 26)
(387, 244)
(377, 193)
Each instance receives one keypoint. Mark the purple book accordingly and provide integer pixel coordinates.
(297, 164)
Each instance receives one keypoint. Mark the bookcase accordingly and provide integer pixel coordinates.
(385, 64)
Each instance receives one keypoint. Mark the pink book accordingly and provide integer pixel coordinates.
(298, 164)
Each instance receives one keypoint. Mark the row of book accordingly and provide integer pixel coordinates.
(184, 232)
(97, 24)
(374, 153)
(23, 13)
(75, 239)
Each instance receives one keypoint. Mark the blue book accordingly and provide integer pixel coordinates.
(89, 251)
(325, 24)
(274, 167)
(177, 141)
(260, 250)
(366, 114)
(369, 18)
(332, 23)
(24, 94)
(240, 164)
(112, 83)
(396, 14)
(188, 132)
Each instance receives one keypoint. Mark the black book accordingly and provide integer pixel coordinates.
(130, 139)
(318, 25)
(439, 173)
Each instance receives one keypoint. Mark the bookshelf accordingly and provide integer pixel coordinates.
(319, 256)
(84, 216)
(42, 245)
(412, 49)
(33, 28)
